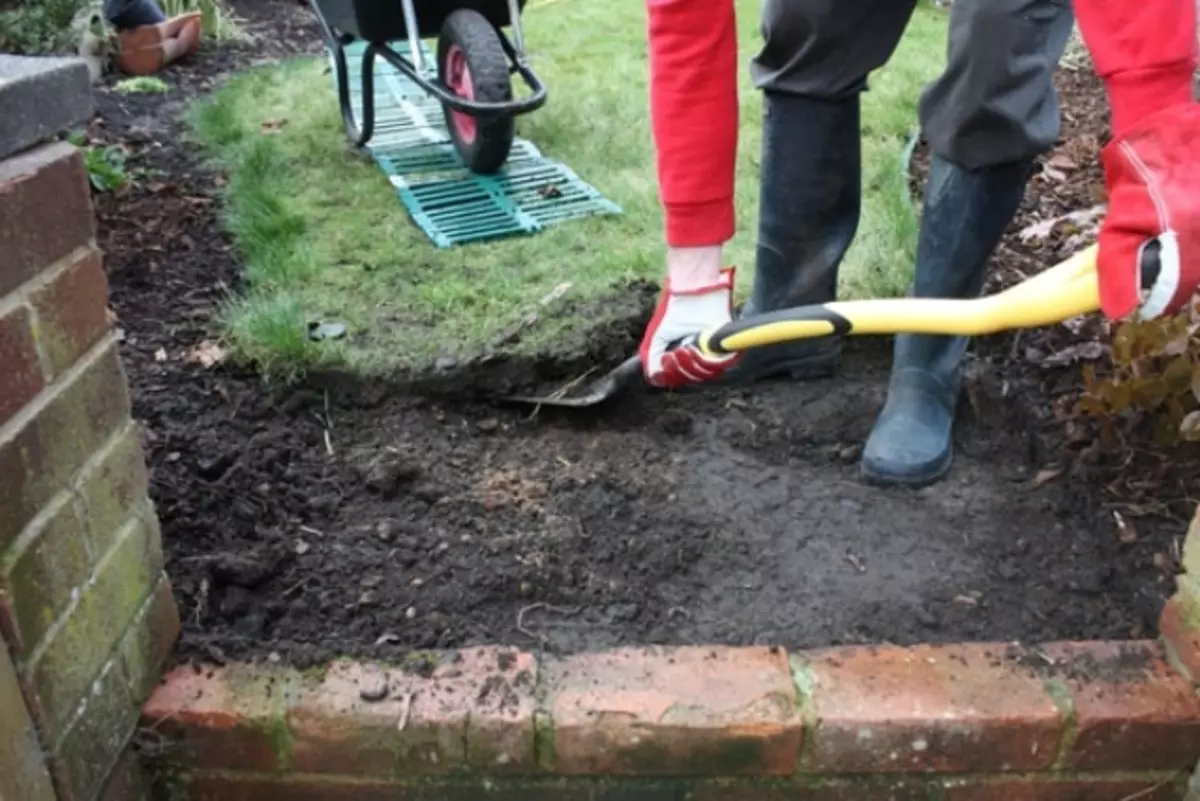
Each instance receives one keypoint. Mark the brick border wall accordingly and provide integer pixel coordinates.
(1082, 721)
(87, 617)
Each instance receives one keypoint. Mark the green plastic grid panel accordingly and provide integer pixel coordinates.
(451, 205)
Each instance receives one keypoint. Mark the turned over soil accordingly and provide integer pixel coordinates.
(334, 519)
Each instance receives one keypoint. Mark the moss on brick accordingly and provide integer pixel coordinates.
(114, 487)
(78, 649)
(806, 686)
(91, 745)
(543, 741)
(46, 454)
(1060, 693)
(149, 639)
(42, 569)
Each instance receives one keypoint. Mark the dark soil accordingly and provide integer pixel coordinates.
(342, 519)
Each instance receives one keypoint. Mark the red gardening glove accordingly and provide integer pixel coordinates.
(669, 359)
(1152, 173)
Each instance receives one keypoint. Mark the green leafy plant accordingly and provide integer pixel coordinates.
(1154, 380)
(217, 20)
(39, 27)
(105, 165)
(142, 84)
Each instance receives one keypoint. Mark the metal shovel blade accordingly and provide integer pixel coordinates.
(626, 373)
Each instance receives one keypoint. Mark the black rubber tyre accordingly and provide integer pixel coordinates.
(472, 33)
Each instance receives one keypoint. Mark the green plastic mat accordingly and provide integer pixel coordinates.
(452, 205)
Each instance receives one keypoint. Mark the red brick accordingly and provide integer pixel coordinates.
(127, 782)
(476, 709)
(46, 453)
(680, 711)
(45, 211)
(961, 708)
(1132, 711)
(227, 718)
(72, 310)
(21, 379)
(1182, 639)
(52, 562)
(1153, 788)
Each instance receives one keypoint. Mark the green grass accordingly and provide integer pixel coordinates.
(217, 21)
(324, 236)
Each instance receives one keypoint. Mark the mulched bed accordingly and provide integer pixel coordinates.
(338, 518)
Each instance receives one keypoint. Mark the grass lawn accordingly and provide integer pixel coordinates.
(324, 236)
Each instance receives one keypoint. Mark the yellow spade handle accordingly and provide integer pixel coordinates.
(1066, 290)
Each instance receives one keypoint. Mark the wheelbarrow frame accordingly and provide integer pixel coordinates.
(345, 28)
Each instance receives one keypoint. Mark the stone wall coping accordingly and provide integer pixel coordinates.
(41, 96)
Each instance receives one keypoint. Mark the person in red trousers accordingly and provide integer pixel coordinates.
(987, 117)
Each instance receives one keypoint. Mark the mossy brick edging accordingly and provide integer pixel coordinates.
(87, 617)
(1101, 721)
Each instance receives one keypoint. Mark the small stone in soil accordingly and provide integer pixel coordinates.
(212, 467)
(387, 473)
(375, 690)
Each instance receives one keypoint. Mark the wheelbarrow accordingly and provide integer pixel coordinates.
(475, 64)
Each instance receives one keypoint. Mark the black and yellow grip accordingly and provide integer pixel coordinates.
(1067, 290)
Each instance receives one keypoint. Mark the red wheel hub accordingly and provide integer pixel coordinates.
(458, 80)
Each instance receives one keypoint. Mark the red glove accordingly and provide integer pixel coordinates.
(1152, 173)
(670, 358)
(1145, 51)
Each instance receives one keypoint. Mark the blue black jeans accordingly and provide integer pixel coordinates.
(126, 14)
(995, 101)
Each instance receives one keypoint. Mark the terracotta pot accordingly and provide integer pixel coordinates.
(146, 50)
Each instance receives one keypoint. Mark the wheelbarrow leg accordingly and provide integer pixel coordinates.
(414, 38)
(358, 135)
(514, 19)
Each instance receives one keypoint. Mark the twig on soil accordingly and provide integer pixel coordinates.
(328, 443)
(405, 711)
(1152, 788)
(201, 600)
(521, 622)
(296, 586)
(854, 560)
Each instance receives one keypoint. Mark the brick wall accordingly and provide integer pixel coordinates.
(1180, 623)
(86, 612)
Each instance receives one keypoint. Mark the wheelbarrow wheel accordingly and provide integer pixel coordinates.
(472, 64)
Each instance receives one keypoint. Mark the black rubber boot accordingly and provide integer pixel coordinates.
(809, 203)
(965, 214)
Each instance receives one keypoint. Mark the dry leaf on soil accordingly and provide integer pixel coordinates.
(1126, 531)
(207, 353)
(1084, 219)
